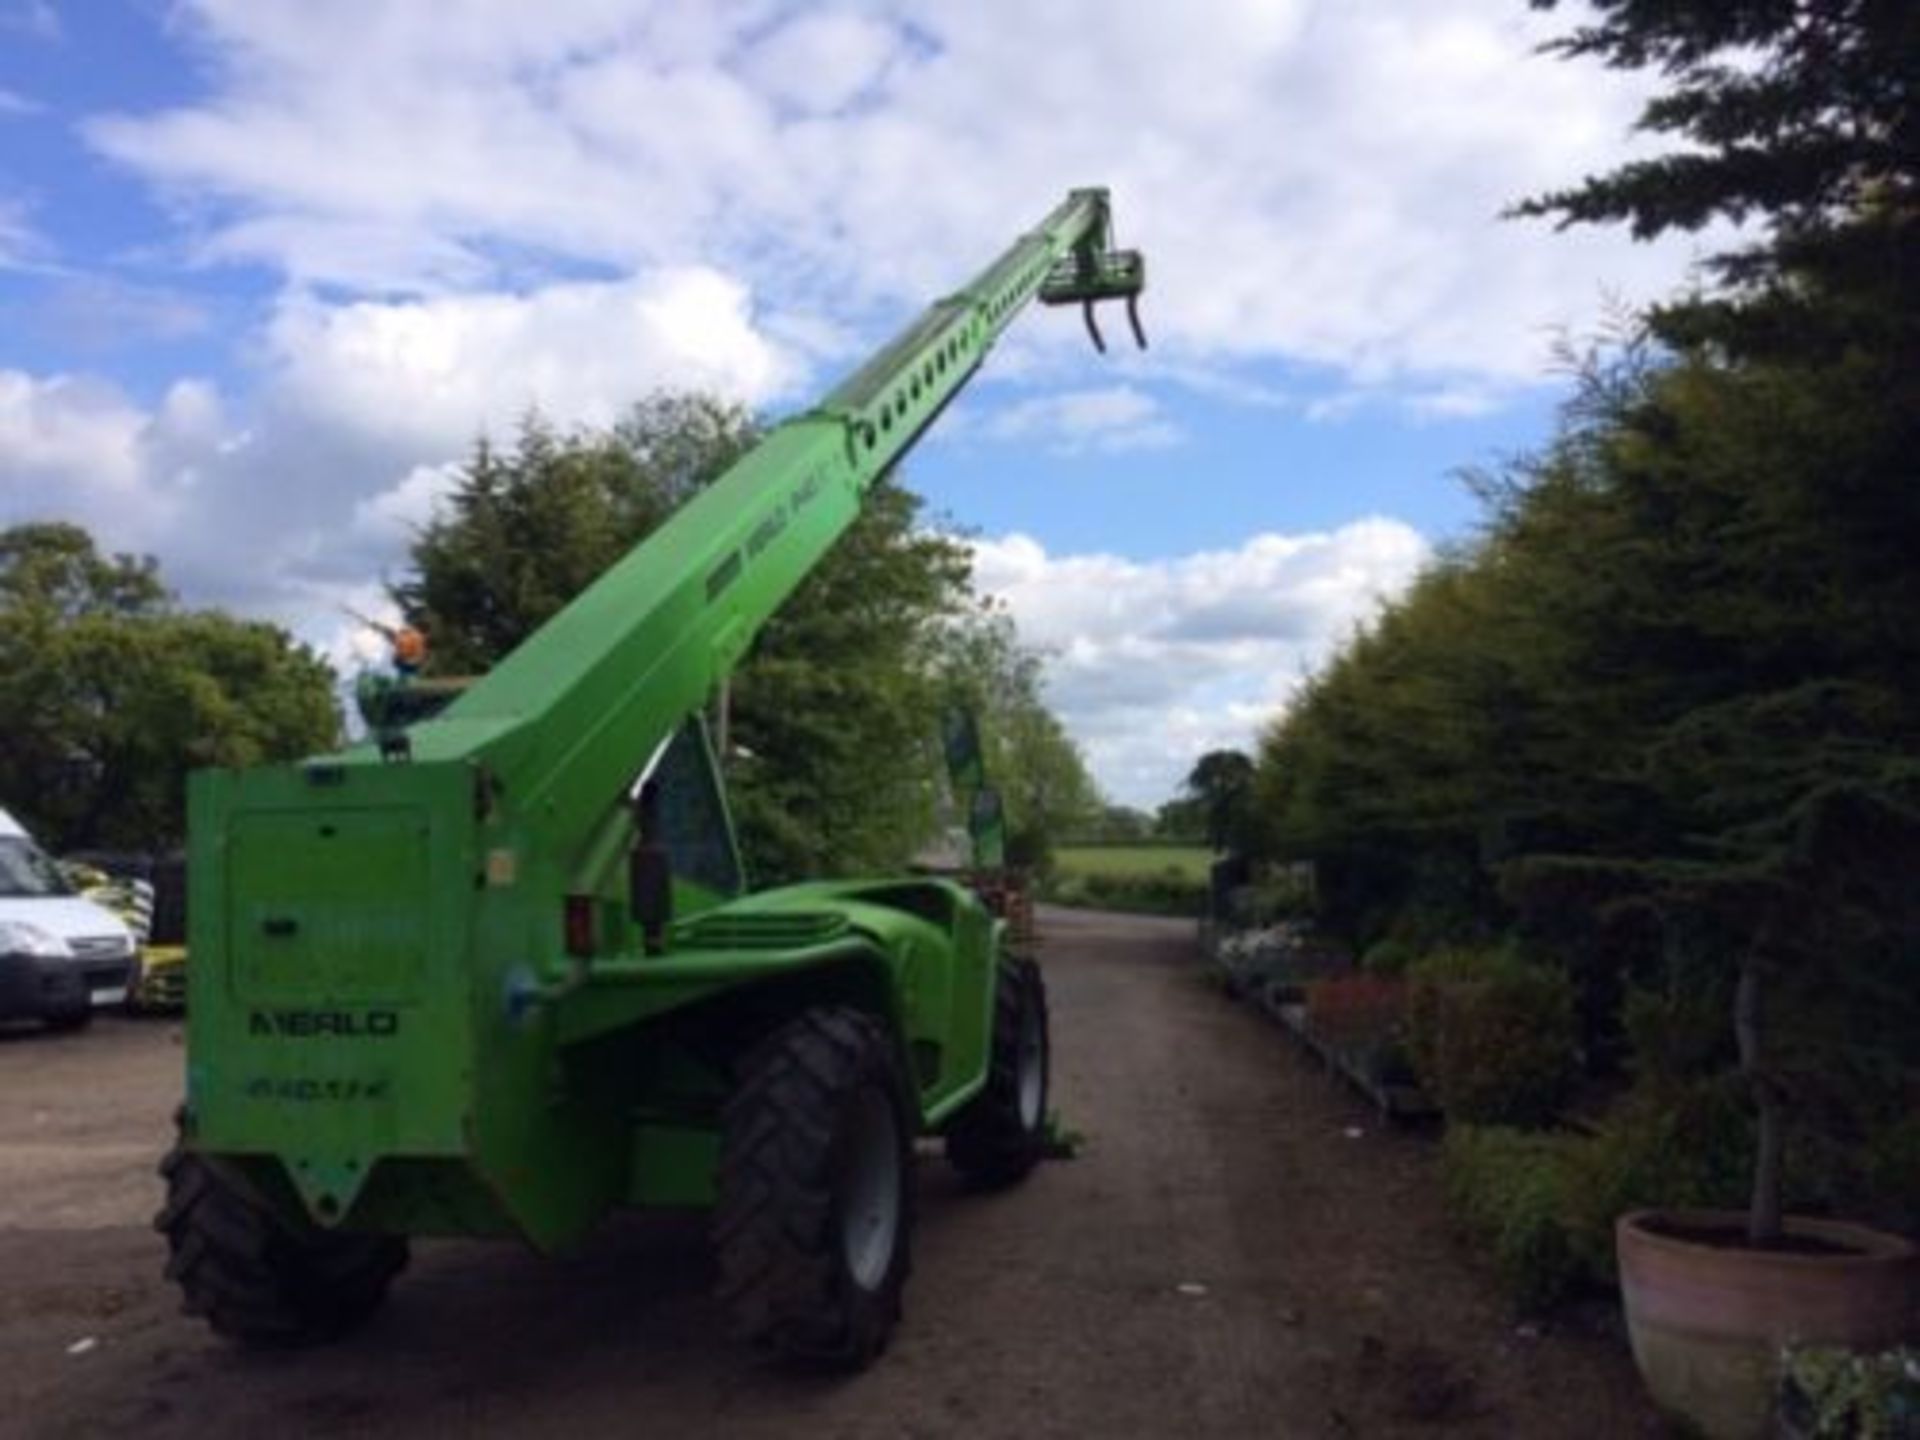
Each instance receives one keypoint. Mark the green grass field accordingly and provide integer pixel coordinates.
(1190, 860)
(1147, 879)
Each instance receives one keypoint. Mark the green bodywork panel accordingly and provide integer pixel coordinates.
(419, 1013)
(419, 1001)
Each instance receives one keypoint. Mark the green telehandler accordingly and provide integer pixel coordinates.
(494, 971)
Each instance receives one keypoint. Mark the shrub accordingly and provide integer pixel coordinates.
(1679, 1034)
(1066, 890)
(1542, 1204)
(1280, 893)
(1507, 1189)
(1389, 957)
(1892, 1165)
(1364, 1016)
(1427, 981)
(1835, 1394)
(1352, 1010)
(1663, 1144)
(1030, 847)
(1170, 892)
(1492, 1037)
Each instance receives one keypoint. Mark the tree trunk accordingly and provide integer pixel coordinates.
(1763, 1215)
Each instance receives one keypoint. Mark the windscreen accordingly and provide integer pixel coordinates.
(26, 871)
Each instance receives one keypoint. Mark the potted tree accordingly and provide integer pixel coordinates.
(1813, 904)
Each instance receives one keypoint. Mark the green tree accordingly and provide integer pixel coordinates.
(1122, 824)
(54, 571)
(837, 709)
(1180, 820)
(1043, 780)
(1795, 117)
(1765, 495)
(1675, 661)
(1221, 781)
(110, 693)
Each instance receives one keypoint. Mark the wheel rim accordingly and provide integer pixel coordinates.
(1033, 1066)
(870, 1214)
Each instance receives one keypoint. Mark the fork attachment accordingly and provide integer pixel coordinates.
(1096, 272)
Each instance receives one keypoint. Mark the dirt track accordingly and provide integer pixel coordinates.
(1224, 1259)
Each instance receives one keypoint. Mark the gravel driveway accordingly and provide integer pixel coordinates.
(1239, 1251)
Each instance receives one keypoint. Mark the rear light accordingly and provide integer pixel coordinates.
(580, 927)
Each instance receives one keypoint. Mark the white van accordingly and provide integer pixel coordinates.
(60, 955)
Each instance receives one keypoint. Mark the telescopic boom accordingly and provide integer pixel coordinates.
(563, 722)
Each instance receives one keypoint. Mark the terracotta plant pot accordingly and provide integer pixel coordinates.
(1708, 1321)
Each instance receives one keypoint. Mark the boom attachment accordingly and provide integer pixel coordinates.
(1096, 271)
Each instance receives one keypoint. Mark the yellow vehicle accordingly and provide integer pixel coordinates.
(159, 984)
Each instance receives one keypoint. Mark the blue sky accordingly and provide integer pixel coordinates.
(266, 267)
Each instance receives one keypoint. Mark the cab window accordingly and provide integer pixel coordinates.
(691, 813)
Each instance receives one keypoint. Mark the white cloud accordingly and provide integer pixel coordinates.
(237, 518)
(821, 63)
(394, 516)
(68, 431)
(12, 102)
(78, 448)
(427, 375)
(360, 414)
(1317, 181)
(1152, 662)
(1115, 418)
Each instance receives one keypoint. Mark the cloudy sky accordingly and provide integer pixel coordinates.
(268, 266)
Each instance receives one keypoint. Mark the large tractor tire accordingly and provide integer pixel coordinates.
(254, 1278)
(1002, 1133)
(814, 1223)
